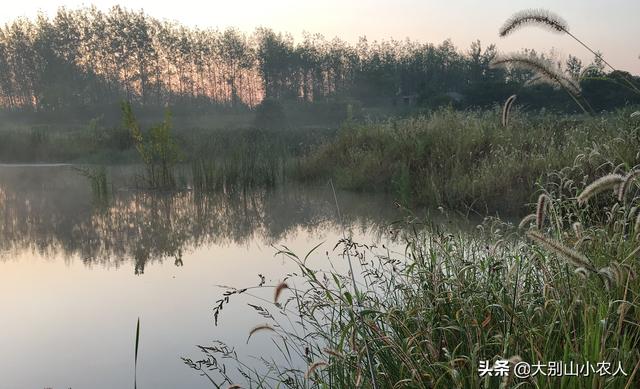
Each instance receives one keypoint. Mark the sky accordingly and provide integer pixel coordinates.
(610, 26)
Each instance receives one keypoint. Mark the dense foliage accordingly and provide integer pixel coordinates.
(467, 160)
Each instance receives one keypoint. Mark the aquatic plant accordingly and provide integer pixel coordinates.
(157, 148)
(99, 183)
(466, 159)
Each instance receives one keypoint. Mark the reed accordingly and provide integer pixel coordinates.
(99, 183)
(460, 159)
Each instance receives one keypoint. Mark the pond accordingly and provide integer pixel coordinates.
(77, 273)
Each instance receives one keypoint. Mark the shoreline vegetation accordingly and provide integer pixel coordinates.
(560, 286)
(418, 121)
(464, 160)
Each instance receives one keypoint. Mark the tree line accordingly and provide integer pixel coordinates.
(89, 58)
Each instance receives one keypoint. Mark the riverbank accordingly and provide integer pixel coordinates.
(501, 307)
(463, 160)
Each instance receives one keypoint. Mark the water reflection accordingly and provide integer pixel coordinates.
(50, 210)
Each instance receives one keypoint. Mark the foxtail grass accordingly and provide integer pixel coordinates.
(543, 72)
(572, 256)
(537, 17)
(600, 185)
(315, 366)
(281, 287)
(626, 183)
(552, 21)
(542, 205)
(260, 328)
(527, 220)
(506, 109)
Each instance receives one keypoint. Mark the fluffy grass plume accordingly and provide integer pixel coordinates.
(281, 286)
(315, 366)
(333, 353)
(578, 230)
(262, 327)
(535, 17)
(582, 272)
(601, 184)
(609, 276)
(574, 257)
(506, 109)
(624, 186)
(524, 223)
(544, 71)
(541, 208)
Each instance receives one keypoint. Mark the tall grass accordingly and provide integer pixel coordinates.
(428, 315)
(467, 159)
(243, 159)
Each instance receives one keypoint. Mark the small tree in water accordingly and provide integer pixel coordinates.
(157, 148)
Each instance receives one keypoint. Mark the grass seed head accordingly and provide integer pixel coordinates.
(572, 256)
(506, 109)
(544, 72)
(535, 17)
(624, 185)
(601, 184)
(315, 366)
(526, 221)
(543, 203)
(262, 327)
(281, 286)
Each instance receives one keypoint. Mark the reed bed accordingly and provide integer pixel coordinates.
(469, 159)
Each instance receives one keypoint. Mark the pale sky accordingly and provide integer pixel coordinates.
(611, 26)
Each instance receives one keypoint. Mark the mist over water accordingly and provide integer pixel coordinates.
(75, 274)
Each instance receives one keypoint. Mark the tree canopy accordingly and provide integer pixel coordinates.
(88, 58)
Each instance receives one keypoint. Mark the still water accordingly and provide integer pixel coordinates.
(76, 273)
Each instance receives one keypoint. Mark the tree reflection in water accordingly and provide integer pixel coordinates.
(49, 210)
